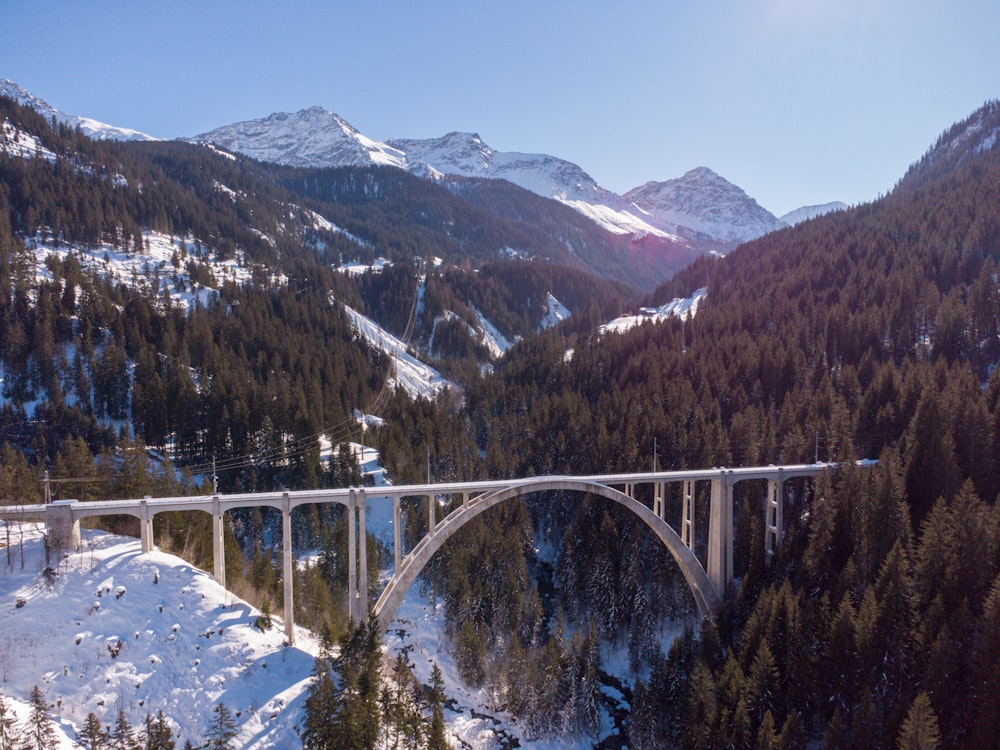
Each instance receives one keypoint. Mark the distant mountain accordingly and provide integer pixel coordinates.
(466, 155)
(706, 203)
(696, 209)
(811, 212)
(309, 138)
(99, 131)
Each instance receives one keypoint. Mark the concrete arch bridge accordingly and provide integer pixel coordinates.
(468, 499)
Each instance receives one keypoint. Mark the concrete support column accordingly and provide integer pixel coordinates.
(218, 542)
(431, 520)
(397, 534)
(286, 565)
(687, 514)
(145, 525)
(629, 490)
(62, 529)
(658, 500)
(720, 533)
(362, 558)
(352, 560)
(774, 526)
(465, 499)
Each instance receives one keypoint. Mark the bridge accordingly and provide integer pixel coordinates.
(466, 501)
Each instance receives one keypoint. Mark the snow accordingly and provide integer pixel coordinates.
(95, 129)
(16, 143)
(496, 342)
(555, 312)
(309, 138)
(811, 212)
(412, 375)
(141, 269)
(683, 308)
(186, 644)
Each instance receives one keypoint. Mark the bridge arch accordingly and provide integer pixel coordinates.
(706, 597)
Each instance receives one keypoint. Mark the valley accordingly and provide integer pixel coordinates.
(181, 319)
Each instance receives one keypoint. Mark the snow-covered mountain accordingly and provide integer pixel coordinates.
(811, 212)
(99, 131)
(704, 202)
(699, 205)
(308, 138)
(466, 155)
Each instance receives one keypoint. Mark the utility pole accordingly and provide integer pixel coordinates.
(654, 455)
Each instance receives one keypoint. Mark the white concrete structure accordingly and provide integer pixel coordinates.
(708, 586)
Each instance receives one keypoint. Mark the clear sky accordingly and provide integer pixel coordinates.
(796, 101)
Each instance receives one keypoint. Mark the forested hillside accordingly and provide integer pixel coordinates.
(868, 333)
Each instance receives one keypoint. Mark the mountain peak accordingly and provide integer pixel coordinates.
(99, 131)
(707, 203)
(311, 137)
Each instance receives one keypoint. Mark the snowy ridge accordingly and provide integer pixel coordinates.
(308, 138)
(95, 129)
(410, 374)
(811, 212)
(683, 308)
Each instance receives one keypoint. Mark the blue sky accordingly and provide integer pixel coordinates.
(796, 101)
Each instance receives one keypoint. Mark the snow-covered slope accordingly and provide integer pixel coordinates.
(706, 203)
(410, 374)
(679, 307)
(99, 131)
(308, 138)
(146, 633)
(811, 212)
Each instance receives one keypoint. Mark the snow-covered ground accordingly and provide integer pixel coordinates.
(154, 264)
(415, 377)
(145, 632)
(683, 308)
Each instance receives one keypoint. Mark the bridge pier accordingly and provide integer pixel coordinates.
(397, 534)
(774, 526)
(145, 525)
(286, 566)
(352, 561)
(218, 541)
(62, 530)
(720, 532)
(687, 514)
(363, 559)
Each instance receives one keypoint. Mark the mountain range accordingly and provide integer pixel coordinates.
(700, 209)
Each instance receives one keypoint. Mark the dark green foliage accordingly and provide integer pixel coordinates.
(39, 731)
(222, 730)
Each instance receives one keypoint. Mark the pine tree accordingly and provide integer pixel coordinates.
(159, 735)
(93, 736)
(40, 732)
(122, 736)
(920, 730)
(8, 725)
(222, 730)
(436, 739)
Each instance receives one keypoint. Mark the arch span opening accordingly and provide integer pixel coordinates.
(706, 598)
